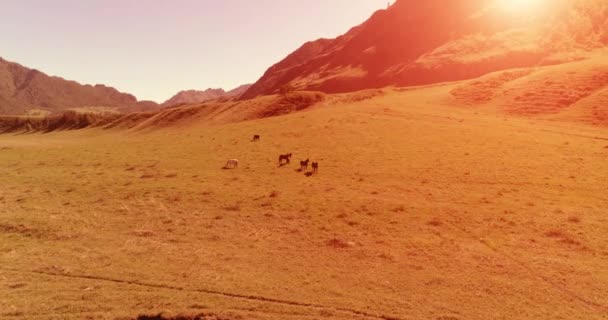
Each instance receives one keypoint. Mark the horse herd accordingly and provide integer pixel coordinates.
(284, 159)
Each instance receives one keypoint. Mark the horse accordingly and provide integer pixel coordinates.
(286, 157)
(304, 164)
(256, 137)
(232, 164)
(315, 167)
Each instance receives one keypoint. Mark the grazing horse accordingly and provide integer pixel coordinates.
(304, 164)
(256, 137)
(232, 164)
(286, 157)
(315, 167)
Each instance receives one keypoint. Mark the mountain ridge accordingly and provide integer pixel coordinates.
(463, 39)
(198, 96)
(23, 89)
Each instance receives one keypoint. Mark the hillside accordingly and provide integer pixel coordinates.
(574, 93)
(193, 96)
(463, 39)
(23, 90)
(197, 96)
(238, 91)
(424, 207)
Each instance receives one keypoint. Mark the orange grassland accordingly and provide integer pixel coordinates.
(429, 204)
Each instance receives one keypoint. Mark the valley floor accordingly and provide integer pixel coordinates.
(420, 210)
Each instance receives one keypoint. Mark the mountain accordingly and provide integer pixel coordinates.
(23, 90)
(238, 91)
(423, 42)
(196, 96)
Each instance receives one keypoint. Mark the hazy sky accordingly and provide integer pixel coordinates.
(154, 48)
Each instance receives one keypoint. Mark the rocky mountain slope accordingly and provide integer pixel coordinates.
(23, 89)
(422, 42)
(197, 96)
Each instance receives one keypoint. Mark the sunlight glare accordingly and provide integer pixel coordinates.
(520, 6)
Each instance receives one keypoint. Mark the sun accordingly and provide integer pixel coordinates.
(520, 6)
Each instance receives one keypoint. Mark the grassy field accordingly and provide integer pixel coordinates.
(420, 210)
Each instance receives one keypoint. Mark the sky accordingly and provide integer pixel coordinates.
(155, 48)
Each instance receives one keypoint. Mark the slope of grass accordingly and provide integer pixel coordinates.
(419, 211)
(68, 120)
(570, 92)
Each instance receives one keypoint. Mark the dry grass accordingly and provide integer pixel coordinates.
(69, 120)
(420, 211)
(573, 91)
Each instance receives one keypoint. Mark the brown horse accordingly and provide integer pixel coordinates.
(304, 164)
(286, 157)
(232, 164)
(256, 137)
(315, 167)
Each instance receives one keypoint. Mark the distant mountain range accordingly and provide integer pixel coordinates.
(417, 42)
(23, 89)
(195, 96)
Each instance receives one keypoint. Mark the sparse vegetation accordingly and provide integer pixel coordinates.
(339, 244)
(400, 208)
(69, 120)
(435, 222)
(196, 317)
(562, 236)
(235, 207)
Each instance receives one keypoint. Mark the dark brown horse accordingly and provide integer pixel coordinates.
(315, 167)
(304, 164)
(285, 157)
(256, 137)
